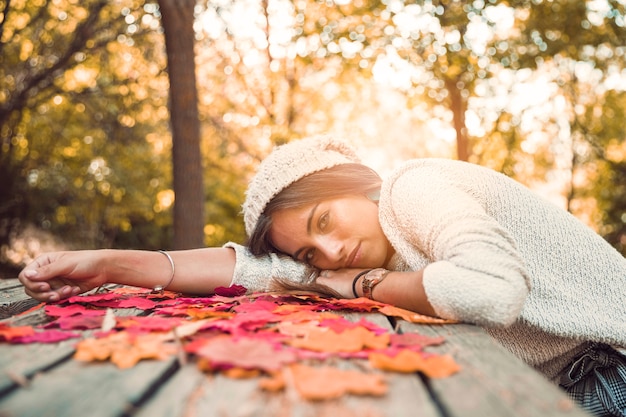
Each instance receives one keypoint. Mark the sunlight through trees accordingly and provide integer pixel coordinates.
(535, 89)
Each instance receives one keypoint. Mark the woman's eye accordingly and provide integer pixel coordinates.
(323, 221)
(309, 255)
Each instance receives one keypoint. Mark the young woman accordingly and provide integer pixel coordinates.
(439, 237)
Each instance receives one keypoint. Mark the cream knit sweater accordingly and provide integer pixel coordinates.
(495, 254)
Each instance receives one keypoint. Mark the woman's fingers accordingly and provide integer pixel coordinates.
(42, 279)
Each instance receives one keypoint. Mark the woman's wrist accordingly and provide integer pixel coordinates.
(355, 282)
(371, 279)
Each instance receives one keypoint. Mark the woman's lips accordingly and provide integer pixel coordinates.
(354, 257)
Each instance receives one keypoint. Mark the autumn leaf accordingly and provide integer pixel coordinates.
(187, 329)
(339, 324)
(411, 316)
(47, 336)
(325, 383)
(287, 309)
(72, 310)
(350, 340)
(273, 383)
(148, 323)
(433, 366)
(137, 302)
(232, 291)
(357, 304)
(243, 336)
(240, 373)
(304, 316)
(205, 313)
(256, 306)
(289, 328)
(245, 353)
(123, 349)
(10, 333)
(415, 339)
(78, 322)
(93, 299)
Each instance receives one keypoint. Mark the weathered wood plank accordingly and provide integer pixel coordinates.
(198, 394)
(20, 363)
(218, 395)
(493, 382)
(86, 389)
(176, 396)
(13, 299)
(8, 283)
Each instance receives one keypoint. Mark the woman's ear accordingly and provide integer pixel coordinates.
(374, 195)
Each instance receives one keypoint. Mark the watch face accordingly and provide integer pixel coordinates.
(371, 279)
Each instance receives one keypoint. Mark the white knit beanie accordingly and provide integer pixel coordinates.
(287, 164)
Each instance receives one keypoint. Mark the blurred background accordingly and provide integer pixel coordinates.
(111, 108)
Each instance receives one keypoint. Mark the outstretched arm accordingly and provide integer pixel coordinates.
(57, 275)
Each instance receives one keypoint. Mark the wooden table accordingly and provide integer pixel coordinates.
(44, 379)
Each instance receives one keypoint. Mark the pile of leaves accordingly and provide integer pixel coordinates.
(276, 336)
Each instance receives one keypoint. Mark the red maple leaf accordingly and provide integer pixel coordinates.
(232, 291)
(56, 310)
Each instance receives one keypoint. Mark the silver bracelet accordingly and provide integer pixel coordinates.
(161, 288)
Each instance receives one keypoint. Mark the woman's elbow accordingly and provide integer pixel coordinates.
(504, 308)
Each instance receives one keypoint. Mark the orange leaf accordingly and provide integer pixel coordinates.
(350, 340)
(240, 373)
(327, 383)
(411, 316)
(433, 366)
(123, 350)
(8, 333)
(205, 313)
(273, 383)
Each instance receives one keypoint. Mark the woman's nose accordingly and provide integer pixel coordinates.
(333, 249)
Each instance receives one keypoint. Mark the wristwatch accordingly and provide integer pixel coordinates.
(372, 279)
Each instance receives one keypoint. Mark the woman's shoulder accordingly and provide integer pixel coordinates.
(433, 172)
(436, 166)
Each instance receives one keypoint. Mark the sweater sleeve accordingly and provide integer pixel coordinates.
(475, 273)
(256, 272)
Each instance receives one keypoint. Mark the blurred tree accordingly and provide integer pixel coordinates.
(261, 79)
(82, 105)
(273, 70)
(580, 47)
(177, 17)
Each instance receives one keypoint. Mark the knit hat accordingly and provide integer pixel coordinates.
(287, 164)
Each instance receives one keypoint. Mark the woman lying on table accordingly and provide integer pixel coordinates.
(439, 237)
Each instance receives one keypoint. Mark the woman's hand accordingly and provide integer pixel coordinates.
(58, 275)
(339, 280)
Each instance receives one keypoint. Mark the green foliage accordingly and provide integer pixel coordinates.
(601, 168)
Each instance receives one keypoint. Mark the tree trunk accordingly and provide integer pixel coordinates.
(178, 18)
(458, 106)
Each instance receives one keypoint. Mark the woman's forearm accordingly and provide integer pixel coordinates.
(57, 275)
(402, 289)
(196, 271)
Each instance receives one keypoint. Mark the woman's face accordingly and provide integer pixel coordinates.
(342, 232)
